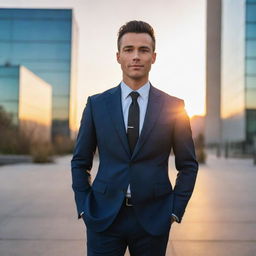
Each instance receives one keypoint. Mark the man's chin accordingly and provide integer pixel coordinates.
(136, 77)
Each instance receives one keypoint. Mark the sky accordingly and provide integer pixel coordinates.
(180, 44)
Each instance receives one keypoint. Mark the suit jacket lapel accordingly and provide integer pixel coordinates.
(114, 105)
(154, 108)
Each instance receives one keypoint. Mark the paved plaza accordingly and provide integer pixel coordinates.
(38, 217)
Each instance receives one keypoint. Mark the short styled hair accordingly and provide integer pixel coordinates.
(136, 26)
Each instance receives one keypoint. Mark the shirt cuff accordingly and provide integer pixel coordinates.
(175, 217)
(80, 215)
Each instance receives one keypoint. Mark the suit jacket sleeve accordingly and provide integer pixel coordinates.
(185, 161)
(82, 160)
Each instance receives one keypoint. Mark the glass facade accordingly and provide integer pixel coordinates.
(238, 93)
(29, 99)
(232, 71)
(9, 80)
(250, 124)
(250, 73)
(45, 41)
(73, 82)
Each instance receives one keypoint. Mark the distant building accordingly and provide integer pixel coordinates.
(45, 41)
(237, 91)
(213, 73)
(29, 99)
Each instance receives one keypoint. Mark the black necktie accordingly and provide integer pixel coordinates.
(133, 121)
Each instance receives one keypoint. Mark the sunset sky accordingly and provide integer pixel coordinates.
(180, 34)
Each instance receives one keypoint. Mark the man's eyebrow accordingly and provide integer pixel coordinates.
(128, 46)
(141, 47)
(144, 47)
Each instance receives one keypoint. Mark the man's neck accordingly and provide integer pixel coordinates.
(135, 84)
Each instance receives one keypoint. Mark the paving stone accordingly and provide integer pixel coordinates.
(38, 216)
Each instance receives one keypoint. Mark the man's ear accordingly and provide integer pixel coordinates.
(154, 58)
(118, 57)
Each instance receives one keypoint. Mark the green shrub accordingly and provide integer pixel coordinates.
(62, 145)
(200, 148)
(42, 152)
(200, 155)
(12, 141)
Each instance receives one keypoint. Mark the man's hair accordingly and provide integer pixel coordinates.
(136, 26)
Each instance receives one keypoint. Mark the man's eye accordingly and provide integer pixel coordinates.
(144, 50)
(127, 50)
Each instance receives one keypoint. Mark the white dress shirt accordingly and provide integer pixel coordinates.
(142, 101)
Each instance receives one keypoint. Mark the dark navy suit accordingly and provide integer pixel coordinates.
(166, 127)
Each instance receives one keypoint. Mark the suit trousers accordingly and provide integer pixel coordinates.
(125, 232)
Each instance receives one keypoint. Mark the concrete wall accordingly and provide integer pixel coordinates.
(213, 67)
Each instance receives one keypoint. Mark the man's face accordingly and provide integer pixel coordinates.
(136, 55)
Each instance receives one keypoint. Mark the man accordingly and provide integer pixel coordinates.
(134, 126)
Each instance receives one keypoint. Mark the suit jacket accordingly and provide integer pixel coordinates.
(166, 127)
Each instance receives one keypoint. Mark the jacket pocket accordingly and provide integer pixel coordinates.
(99, 186)
(162, 189)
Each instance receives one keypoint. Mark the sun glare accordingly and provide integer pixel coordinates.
(193, 110)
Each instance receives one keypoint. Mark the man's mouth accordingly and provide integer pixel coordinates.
(136, 66)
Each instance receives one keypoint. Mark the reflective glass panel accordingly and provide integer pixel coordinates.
(36, 30)
(49, 66)
(5, 52)
(41, 51)
(9, 71)
(251, 30)
(250, 124)
(251, 48)
(10, 107)
(251, 98)
(251, 66)
(61, 102)
(54, 14)
(5, 28)
(9, 84)
(9, 89)
(251, 82)
(59, 81)
(251, 12)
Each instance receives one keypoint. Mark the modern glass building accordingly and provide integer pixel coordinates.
(250, 70)
(236, 91)
(28, 99)
(233, 57)
(238, 73)
(45, 41)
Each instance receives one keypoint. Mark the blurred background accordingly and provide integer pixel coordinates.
(54, 54)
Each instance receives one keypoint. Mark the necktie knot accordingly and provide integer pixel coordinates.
(134, 95)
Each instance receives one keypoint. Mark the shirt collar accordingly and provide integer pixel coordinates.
(143, 91)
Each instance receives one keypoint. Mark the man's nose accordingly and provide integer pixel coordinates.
(136, 55)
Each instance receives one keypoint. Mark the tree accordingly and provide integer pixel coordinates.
(12, 142)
